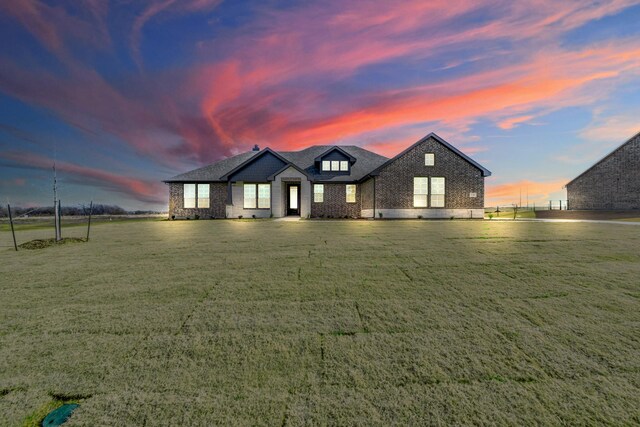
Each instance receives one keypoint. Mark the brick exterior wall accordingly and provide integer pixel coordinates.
(366, 194)
(335, 203)
(394, 185)
(217, 201)
(613, 183)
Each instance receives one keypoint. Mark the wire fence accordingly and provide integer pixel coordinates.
(552, 205)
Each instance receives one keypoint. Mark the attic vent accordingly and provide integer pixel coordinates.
(256, 148)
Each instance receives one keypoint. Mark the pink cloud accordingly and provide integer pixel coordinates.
(512, 122)
(54, 27)
(138, 189)
(267, 82)
(157, 7)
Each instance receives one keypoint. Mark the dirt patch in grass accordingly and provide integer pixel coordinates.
(45, 243)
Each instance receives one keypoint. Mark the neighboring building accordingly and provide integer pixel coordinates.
(431, 179)
(613, 183)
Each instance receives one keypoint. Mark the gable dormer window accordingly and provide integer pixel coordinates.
(335, 159)
(335, 166)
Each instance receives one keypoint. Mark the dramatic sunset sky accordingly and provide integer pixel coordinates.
(126, 93)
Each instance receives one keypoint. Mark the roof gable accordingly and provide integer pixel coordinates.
(265, 163)
(624, 144)
(485, 172)
(333, 149)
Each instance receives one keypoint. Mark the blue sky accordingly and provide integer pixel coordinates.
(124, 94)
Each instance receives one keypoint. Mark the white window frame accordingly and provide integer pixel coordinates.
(318, 193)
(203, 191)
(335, 166)
(254, 201)
(264, 196)
(420, 191)
(351, 193)
(189, 202)
(438, 191)
(250, 200)
(430, 159)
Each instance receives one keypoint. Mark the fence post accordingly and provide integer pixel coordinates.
(89, 223)
(560, 204)
(15, 245)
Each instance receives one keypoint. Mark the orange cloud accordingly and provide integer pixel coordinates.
(538, 192)
(512, 122)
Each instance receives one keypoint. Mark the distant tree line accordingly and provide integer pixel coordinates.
(98, 209)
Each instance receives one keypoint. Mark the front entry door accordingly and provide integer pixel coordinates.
(293, 199)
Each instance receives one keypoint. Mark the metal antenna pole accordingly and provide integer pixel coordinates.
(56, 206)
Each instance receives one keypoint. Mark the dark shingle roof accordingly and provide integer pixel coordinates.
(366, 161)
(215, 171)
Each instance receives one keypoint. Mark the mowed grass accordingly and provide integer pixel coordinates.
(325, 323)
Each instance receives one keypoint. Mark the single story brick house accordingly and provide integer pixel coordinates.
(613, 183)
(431, 179)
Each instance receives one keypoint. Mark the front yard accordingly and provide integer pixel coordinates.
(324, 322)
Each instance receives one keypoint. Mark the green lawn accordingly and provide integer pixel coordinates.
(324, 322)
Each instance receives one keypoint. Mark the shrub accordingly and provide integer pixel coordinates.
(419, 216)
(380, 214)
(196, 216)
(173, 217)
(490, 216)
(253, 216)
(239, 216)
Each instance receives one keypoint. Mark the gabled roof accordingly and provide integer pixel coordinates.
(365, 163)
(485, 171)
(305, 160)
(628, 141)
(252, 159)
(284, 168)
(215, 171)
(335, 148)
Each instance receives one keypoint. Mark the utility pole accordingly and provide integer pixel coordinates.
(520, 204)
(56, 205)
